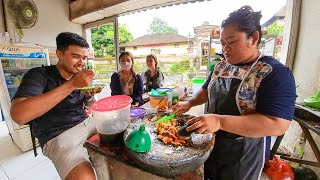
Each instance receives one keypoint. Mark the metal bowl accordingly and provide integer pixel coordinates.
(167, 160)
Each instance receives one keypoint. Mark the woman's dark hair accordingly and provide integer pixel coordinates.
(154, 57)
(246, 20)
(66, 39)
(126, 53)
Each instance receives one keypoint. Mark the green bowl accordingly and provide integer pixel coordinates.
(312, 101)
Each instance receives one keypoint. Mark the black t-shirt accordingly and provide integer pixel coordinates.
(151, 85)
(66, 114)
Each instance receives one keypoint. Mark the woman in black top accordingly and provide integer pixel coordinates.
(152, 78)
(126, 81)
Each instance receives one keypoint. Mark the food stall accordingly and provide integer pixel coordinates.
(162, 161)
(302, 60)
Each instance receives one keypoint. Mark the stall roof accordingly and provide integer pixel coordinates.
(152, 39)
(279, 15)
(84, 11)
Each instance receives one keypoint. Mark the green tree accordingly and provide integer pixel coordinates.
(275, 29)
(103, 39)
(182, 66)
(158, 26)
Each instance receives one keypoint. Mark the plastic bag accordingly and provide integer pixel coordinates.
(279, 170)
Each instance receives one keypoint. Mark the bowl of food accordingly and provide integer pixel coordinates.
(95, 87)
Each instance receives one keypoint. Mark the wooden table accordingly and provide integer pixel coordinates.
(308, 119)
(112, 162)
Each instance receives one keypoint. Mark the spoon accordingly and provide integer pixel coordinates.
(159, 102)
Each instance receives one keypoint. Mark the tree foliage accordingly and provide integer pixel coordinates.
(275, 29)
(181, 66)
(158, 26)
(103, 39)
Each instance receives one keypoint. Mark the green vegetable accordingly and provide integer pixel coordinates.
(91, 88)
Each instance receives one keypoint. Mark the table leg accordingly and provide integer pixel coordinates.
(314, 148)
(313, 145)
(276, 146)
(100, 164)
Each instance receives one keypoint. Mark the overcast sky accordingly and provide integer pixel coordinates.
(185, 17)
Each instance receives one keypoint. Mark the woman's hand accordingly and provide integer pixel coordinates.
(208, 123)
(181, 107)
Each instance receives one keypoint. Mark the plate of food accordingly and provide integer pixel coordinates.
(169, 155)
(95, 86)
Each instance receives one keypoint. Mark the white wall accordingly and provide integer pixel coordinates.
(306, 68)
(168, 49)
(53, 19)
(308, 50)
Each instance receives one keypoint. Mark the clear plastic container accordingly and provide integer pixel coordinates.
(161, 100)
(6, 39)
(169, 93)
(112, 117)
(178, 89)
(197, 84)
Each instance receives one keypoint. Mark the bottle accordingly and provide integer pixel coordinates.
(298, 151)
(1, 37)
(6, 39)
(16, 80)
(8, 78)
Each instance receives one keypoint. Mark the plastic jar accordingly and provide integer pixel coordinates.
(155, 100)
(197, 84)
(169, 93)
(112, 117)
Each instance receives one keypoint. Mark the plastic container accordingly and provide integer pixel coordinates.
(313, 101)
(8, 78)
(150, 110)
(169, 93)
(175, 88)
(112, 117)
(197, 83)
(155, 100)
(137, 112)
(178, 89)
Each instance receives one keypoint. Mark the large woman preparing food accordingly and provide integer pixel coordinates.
(251, 97)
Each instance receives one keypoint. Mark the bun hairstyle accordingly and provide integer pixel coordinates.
(246, 20)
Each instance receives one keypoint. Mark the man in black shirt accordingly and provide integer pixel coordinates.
(48, 97)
